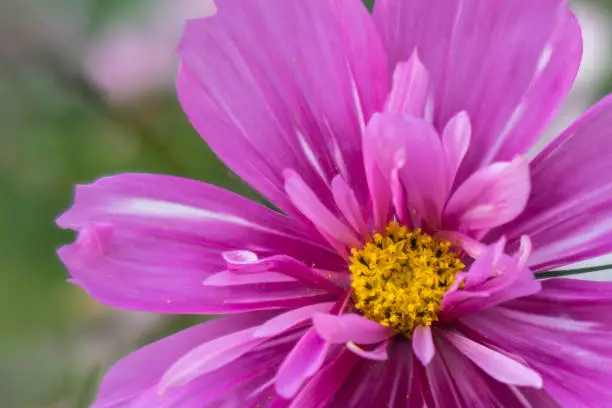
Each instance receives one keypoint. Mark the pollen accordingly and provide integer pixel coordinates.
(400, 277)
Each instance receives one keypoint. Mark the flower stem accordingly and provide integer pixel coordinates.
(570, 272)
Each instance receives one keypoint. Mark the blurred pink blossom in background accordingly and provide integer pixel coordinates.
(134, 58)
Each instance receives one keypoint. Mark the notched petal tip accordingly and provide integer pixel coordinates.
(94, 239)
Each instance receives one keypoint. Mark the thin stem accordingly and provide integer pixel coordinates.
(570, 272)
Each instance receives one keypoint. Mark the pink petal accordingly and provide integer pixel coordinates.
(412, 147)
(349, 206)
(377, 354)
(483, 268)
(390, 383)
(349, 327)
(456, 140)
(287, 320)
(497, 365)
(442, 388)
(303, 362)
(494, 278)
(149, 242)
(409, 92)
(564, 332)
(568, 216)
(307, 202)
(293, 268)
(526, 54)
(323, 386)
(208, 357)
(423, 344)
(298, 100)
(491, 197)
(141, 371)
(378, 184)
(229, 278)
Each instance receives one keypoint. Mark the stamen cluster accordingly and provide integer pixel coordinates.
(400, 277)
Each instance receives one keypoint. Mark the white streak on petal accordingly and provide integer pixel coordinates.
(164, 209)
(309, 153)
(356, 99)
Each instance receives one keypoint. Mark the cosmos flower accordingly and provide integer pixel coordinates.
(403, 269)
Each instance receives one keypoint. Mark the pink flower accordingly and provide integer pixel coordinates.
(403, 270)
(133, 59)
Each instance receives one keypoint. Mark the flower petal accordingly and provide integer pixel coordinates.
(409, 92)
(379, 353)
(526, 54)
(349, 327)
(412, 147)
(209, 357)
(491, 197)
(564, 332)
(497, 365)
(287, 320)
(423, 344)
(149, 242)
(390, 383)
(442, 388)
(349, 206)
(456, 141)
(324, 220)
(323, 386)
(299, 102)
(301, 363)
(569, 216)
(492, 279)
(136, 374)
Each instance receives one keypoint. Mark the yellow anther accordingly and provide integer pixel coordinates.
(401, 276)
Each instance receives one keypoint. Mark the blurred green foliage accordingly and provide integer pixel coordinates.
(59, 131)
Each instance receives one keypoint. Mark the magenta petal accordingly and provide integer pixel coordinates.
(143, 369)
(149, 242)
(497, 365)
(564, 332)
(324, 385)
(287, 320)
(192, 211)
(526, 54)
(208, 357)
(299, 100)
(568, 215)
(307, 202)
(390, 383)
(292, 268)
(349, 206)
(491, 197)
(229, 278)
(494, 278)
(456, 141)
(349, 327)
(483, 268)
(423, 344)
(379, 353)
(442, 388)
(412, 147)
(378, 183)
(301, 363)
(409, 92)
(159, 273)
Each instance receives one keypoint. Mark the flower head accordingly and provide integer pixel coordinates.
(403, 269)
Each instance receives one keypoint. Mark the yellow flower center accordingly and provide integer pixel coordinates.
(401, 276)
